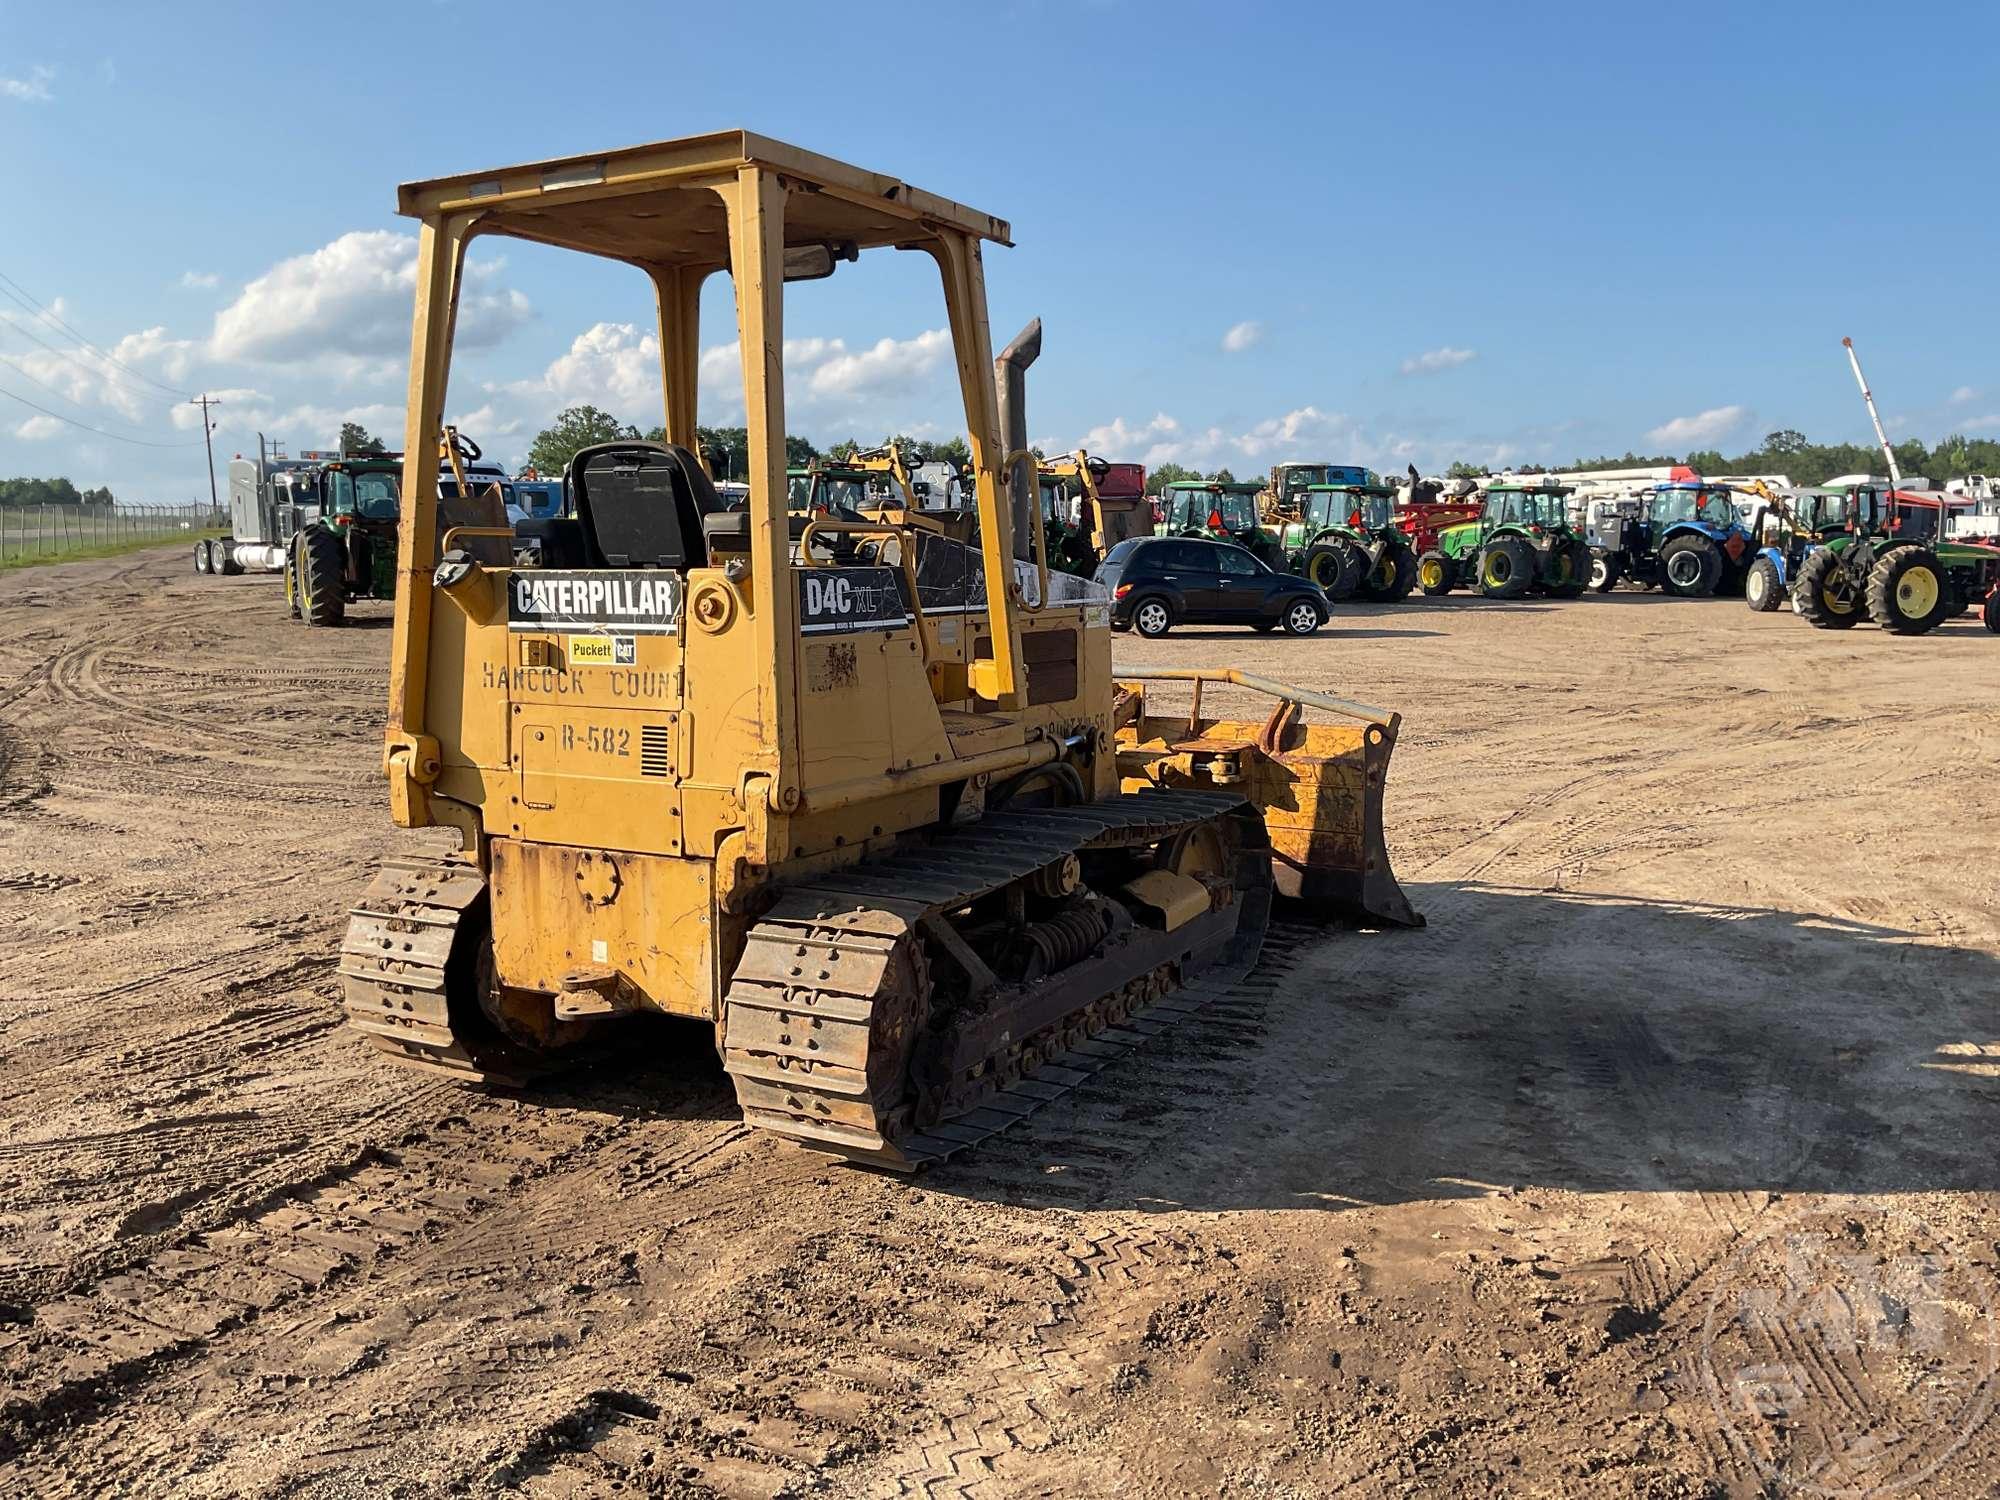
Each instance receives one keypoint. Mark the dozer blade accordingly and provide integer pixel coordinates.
(1319, 786)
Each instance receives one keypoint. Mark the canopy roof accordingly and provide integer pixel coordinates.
(651, 204)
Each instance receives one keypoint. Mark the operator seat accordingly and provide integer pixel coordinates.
(641, 505)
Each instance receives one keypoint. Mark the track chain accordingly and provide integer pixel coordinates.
(392, 961)
(831, 975)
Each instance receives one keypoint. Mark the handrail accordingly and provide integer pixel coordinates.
(1258, 684)
(455, 532)
(906, 538)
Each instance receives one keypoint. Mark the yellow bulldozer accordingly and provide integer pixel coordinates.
(890, 833)
(900, 499)
(1110, 507)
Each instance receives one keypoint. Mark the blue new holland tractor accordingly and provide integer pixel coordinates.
(1688, 539)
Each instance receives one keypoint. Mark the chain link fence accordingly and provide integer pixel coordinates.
(36, 533)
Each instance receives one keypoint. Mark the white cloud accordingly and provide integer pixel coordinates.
(887, 365)
(830, 388)
(1119, 436)
(1433, 360)
(1303, 432)
(200, 280)
(315, 426)
(351, 299)
(89, 379)
(1710, 426)
(1243, 336)
(37, 428)
(297, 424)
(34, 89)
(1963, 394)
(1307, 433)
(611, 365)
(240, 405)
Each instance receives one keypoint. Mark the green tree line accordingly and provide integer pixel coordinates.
(1162, 475)
(1785, 451)
(50, 492)
(1791, 453)
(579, 427)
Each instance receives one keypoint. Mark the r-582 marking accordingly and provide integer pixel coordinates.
(597, 740)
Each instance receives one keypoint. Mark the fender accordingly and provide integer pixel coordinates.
(1683, 528)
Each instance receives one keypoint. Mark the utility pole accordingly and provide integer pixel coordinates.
(204, 401)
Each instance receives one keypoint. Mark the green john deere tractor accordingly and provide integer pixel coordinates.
(1522, 542)
(1344, 538)
(344, 546)
(1065, 531)
(1889, 565)
(1222, 511)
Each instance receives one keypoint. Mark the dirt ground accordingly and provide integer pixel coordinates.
(1661, 1163)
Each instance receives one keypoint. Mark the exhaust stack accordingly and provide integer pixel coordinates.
(1010, 373)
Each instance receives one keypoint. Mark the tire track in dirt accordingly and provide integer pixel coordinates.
(782, 1325)
(1017, 1402)
(987, 1401)
(431, 1231)
(79, 1352)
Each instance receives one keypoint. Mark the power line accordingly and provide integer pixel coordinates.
(116, 437)
(69, 357)
(43, 312)
(62, 395)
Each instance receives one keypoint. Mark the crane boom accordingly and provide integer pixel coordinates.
(1895, 474)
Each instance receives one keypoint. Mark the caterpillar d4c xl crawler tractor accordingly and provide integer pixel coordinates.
(884, 832)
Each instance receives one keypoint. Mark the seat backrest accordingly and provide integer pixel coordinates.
(641, 505)
(558, 540)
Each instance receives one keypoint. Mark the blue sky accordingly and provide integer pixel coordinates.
(1502, 233)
